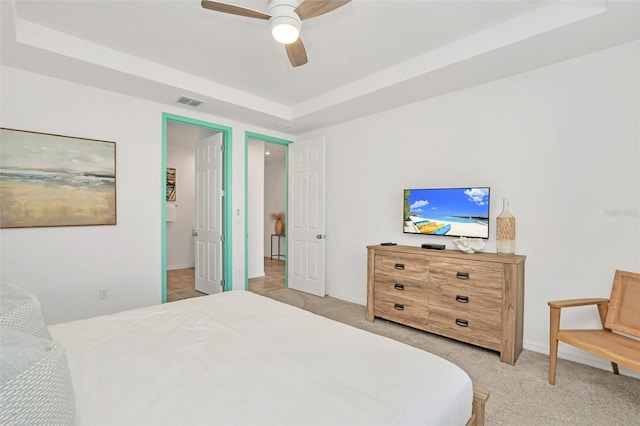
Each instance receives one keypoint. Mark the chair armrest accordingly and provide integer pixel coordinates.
(576, 302)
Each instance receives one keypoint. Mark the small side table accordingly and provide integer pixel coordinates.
(277, 254)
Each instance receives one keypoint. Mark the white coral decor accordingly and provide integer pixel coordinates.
(469, 245)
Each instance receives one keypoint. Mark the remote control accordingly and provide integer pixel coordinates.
(387, 244)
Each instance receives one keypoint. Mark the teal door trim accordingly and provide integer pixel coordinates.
(226, 202)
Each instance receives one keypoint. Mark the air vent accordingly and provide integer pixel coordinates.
(189, 101)
(279, 125)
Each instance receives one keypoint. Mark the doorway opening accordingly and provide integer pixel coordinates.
(172, 210)
(266, 198)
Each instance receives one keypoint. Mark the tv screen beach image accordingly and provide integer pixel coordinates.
(457, 212)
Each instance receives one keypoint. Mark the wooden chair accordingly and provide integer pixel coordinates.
(620, 318)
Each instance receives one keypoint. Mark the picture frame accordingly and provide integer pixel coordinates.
(49, 180)
(171, 184)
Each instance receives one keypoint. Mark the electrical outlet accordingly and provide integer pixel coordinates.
(103, 293)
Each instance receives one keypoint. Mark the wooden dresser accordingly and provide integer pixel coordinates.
(475, 298)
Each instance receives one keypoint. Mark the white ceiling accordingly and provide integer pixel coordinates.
(364, 57)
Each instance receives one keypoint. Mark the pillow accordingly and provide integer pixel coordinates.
(20, 310)
(35, 382)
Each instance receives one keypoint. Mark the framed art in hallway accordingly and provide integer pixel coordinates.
(171, 184)
(53, 180)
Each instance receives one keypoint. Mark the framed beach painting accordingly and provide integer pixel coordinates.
(54, 180)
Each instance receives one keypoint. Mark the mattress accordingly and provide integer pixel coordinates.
(237, 358)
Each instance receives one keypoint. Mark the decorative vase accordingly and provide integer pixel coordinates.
(279, 227)
(506, 231)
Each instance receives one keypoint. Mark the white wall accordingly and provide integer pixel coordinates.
(562, 143)
(65, 267)
(275, 201)
(255, 196)
(180, 247)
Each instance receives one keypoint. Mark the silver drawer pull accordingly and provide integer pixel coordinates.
(398, 286)
(462, 299)
(462, 323)
(462, 275)
(398, 307)
(400, 266)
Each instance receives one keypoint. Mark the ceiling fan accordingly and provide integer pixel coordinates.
(285, 18)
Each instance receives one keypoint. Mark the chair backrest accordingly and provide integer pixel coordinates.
(624, 305)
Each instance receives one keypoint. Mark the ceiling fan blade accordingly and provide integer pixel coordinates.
(296, 53)
(234, 10)
(312, 8)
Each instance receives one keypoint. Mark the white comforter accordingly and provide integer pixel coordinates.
(237, 358)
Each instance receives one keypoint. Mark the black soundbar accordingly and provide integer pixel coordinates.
(433, 246)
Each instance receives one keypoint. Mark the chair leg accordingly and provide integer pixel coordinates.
(603, 308)
(553, 343)
(553, 359)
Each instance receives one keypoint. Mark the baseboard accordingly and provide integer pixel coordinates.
(338, 296)
(581, 357)
(259, 274)
(172, 267)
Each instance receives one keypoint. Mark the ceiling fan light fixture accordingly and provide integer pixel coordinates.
(285, 20)
(285, 29)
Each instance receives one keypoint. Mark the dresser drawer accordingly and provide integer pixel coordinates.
(472, 274)
(399, 287)
(400, 309)
(466, 298)
(469, 326)
(402, 267)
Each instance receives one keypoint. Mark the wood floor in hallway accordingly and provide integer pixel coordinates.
(181, 282)
(273, 277)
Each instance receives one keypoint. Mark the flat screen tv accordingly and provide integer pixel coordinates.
(452, 212)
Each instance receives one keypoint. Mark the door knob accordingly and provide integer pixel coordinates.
(320, 236)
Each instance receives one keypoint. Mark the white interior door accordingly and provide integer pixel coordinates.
(306, 216)
(208, 232)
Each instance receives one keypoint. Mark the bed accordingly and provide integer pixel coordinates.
(238, 358)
